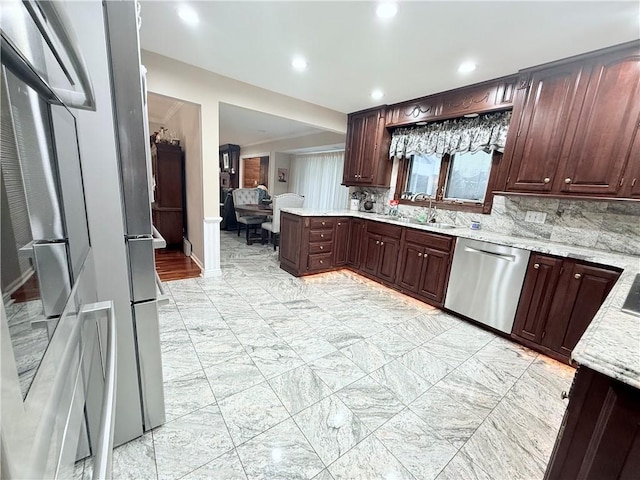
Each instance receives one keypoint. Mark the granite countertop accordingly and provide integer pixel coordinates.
(611, 344)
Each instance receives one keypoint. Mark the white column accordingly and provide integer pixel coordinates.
(211, 247)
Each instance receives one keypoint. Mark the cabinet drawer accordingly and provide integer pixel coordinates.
(431, 240)
(321, 247)
(321, 223)
(319, 261)
(320, 236)
(384, 229)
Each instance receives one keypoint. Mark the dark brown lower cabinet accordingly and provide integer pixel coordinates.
(380, 254)
(341, 242)
(356, 236)
(559, 299)
(290, 242)
(424, 263)
(600, 435)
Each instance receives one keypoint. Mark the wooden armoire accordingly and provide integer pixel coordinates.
(168, 209)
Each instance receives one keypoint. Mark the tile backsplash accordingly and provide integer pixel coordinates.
(611, 226)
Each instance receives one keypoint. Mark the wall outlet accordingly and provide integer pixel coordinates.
(535, 217)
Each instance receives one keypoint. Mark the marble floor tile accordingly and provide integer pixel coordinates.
(135, 460)
(323, 475)
(226, 467)
(482, 375)
(218, 349)
(366, 355)
(310, 346)
(299, 388)
(496, 454)
(331, 428)
(417, 446)
(341, 336)
(405, 384)
(233, 376)
(466, 388)
(429, 367)
(178, 362)
(336, 370)
(391, 343)
(451, 416)
(282, 453)
(371, 460)
(275, 360)
(251, 412)
(461, 467)
(365, 326)
(189, 442)
(186, 394)
(370, 401)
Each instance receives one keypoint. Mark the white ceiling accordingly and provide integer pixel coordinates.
(238, 125)
(350, 51)
(246, 127)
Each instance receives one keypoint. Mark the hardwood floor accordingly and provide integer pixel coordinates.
(174, 265)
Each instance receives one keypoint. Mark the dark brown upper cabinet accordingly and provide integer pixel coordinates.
(479, 98)
(366, 159)
(574, 126)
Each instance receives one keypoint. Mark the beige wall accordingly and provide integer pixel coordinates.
(185, 123)
(185, 82)
(276, 150)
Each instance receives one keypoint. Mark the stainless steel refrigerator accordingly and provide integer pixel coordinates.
(130, 120)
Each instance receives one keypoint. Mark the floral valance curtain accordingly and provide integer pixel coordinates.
(485, 132)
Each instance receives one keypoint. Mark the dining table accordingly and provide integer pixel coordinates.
(254, 210)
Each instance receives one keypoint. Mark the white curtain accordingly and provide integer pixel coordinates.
(318, 177)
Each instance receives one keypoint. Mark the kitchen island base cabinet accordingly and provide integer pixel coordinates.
(600, 435)
(559, 299)
(290, 242)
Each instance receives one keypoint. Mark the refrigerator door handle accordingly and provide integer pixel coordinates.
(103, 455)
(163, 297)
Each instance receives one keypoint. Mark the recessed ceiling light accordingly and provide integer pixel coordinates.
(467, 67)
(188, 15)
(299, 63)
(387, 9)
(377, 94)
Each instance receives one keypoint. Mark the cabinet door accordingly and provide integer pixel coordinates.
(631, 187)
(435, 265)
(410, 266)
(356, 231)
(341, 242)
(290, 240)
(595, 157)
(369, 153)
(388, 258)
(535, 154)
(371, 254)
(539, 287)
(353, 153)
(575, 305)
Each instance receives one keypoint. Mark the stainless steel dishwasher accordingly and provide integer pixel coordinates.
(485, 282)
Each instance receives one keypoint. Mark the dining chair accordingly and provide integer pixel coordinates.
(246, 196)
(284, 200)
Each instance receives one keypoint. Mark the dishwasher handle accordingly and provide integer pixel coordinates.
(501, 256)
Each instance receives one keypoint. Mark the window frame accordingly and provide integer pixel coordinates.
(440, 202)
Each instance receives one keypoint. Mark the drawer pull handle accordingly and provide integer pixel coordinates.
(322, 235)
(321, 247)
(536, 266)
(547, 180)
(377, 242)
(577, 276)
(419, 254)
(321, 261)
(339, 224)
(381, 243)
(567, 180)
(322, 223)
